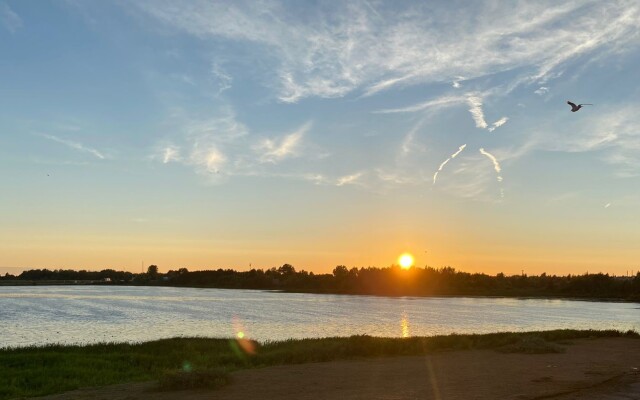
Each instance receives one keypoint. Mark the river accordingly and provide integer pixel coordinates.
(36, 315)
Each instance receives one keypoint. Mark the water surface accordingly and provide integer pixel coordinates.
(88, 314)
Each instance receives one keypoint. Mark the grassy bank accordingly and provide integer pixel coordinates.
(34, 371)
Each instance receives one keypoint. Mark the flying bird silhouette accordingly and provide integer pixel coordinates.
(575, 107)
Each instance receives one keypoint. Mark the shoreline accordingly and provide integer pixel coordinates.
(571, 365)
(443, 296)
(55, 369)
(80, 345)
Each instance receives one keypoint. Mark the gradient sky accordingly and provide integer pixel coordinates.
(206, 134)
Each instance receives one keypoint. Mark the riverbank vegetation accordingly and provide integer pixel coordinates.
(192, 362)
(391, 281)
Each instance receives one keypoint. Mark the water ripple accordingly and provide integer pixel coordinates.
(90, 314)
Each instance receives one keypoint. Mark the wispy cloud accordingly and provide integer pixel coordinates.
(358, 45)
(469, 180)
(349, 179)
(438, 103)
(207, 158)
(222, 128)
(395, 177)
(203, 143)
(76, 146)
(456, 82)
(184, 78)
(10, 20)
(409, 142)
(220, 146)
(274, 151)
(223, 80)
(364, 49)
(170, 153)
(542, 90)
(317, 179)
(613, 132)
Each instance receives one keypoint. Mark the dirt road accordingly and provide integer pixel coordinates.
(598, 369)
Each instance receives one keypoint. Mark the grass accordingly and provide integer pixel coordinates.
(198, 362)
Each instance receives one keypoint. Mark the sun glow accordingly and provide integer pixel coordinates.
(405, 261)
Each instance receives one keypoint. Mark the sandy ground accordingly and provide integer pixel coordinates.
(597, 369)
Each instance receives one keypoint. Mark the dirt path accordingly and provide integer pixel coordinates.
(599, 369)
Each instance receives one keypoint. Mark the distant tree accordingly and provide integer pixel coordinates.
(152, 271)
(287, 269)
(340, 271)
(426, 281)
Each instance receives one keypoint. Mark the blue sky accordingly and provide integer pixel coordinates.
(228, 134)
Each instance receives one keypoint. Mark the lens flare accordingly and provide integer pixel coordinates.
(242, 340)
(186, 366)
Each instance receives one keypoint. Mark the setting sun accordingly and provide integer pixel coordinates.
(405, 261)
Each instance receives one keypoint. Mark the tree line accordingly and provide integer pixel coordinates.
(390, 281)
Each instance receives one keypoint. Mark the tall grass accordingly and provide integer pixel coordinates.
(35, 371)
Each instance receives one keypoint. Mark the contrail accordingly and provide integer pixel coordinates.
(408, 139)
(498, 124)
(435, 176)
(475, 108)
(75, 145)
(474, 101)
(496, 166)
(459, 151)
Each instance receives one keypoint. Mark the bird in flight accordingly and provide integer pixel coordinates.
(575, 107)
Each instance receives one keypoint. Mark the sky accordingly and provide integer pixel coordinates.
(233, 134)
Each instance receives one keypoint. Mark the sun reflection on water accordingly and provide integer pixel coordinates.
(404, 324)
(83, 314)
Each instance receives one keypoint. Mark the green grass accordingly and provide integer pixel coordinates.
(35, 371)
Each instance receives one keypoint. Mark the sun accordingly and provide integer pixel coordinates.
(405, 261)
